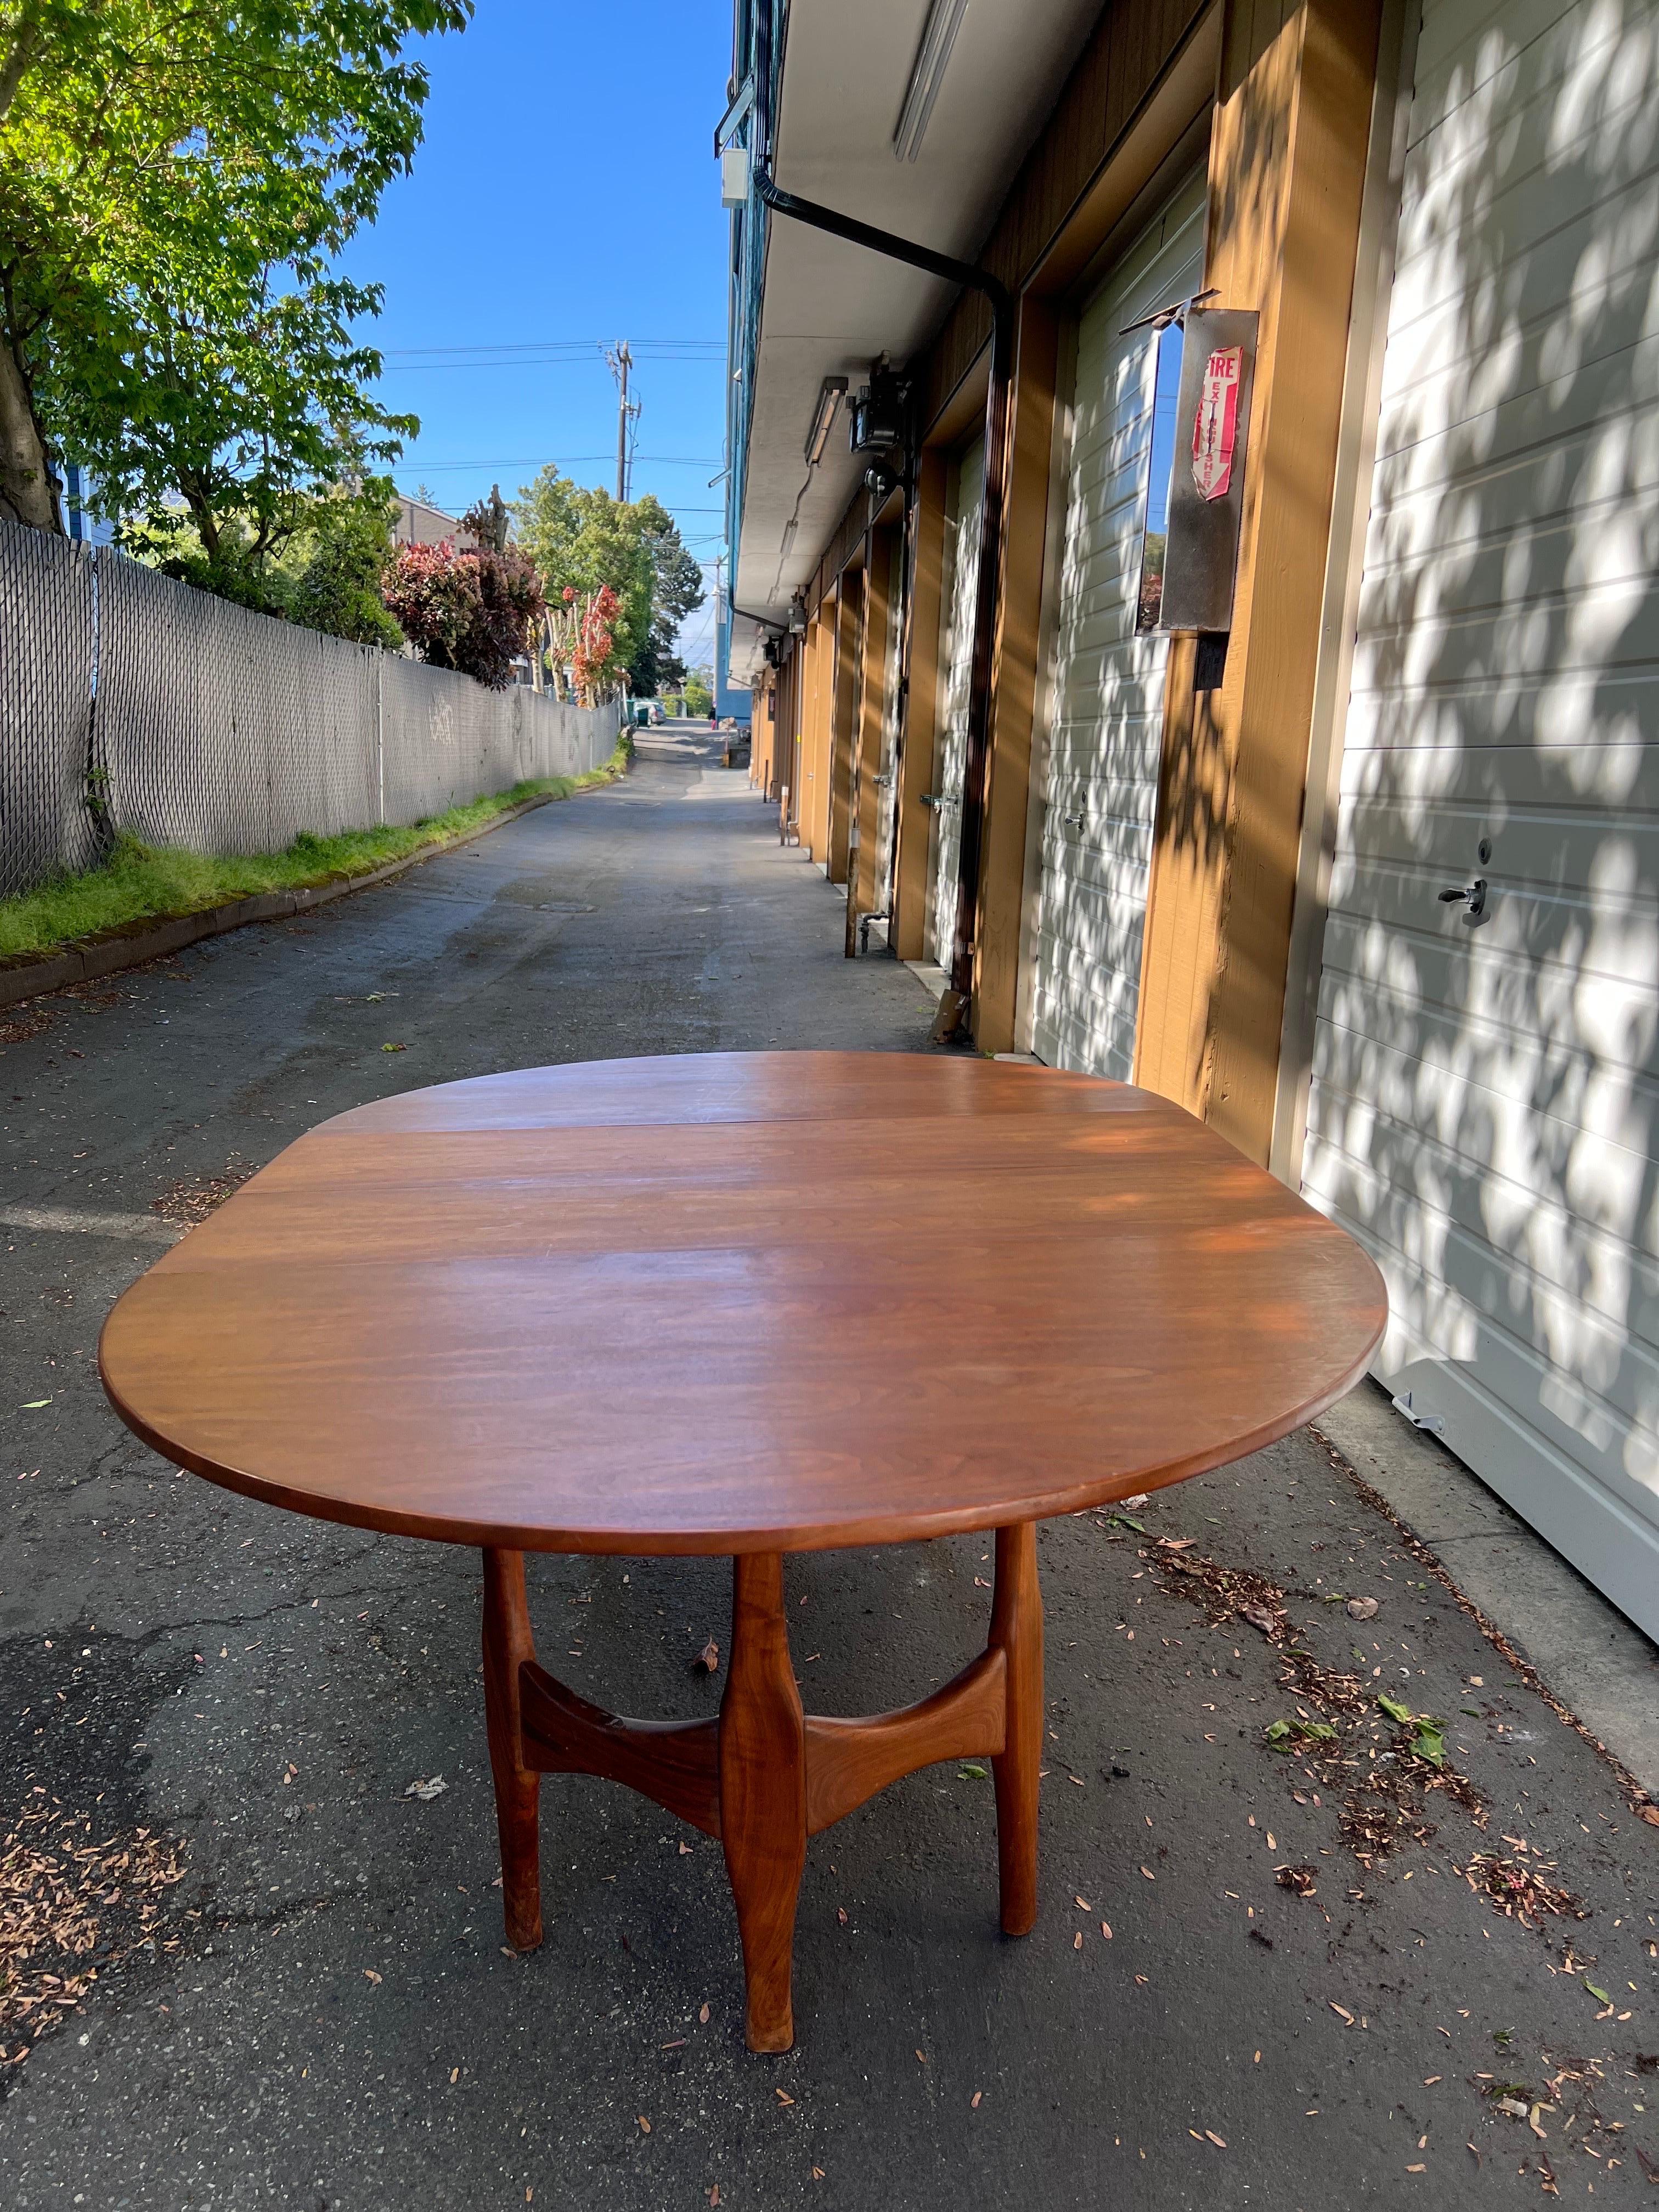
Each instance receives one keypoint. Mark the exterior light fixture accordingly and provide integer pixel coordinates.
(831, 393)
(876, 415)
(939, 36)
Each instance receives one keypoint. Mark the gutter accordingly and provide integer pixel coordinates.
(989, 579)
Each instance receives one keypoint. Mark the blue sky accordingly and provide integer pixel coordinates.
(566, 195)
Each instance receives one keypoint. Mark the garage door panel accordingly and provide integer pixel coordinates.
(1610, 1017)
(1443, 437)
(1612, 1367)
(1575, 1257)
(1545, 849)
(1590, 574)
(966, 495)
(1376, 1025)
(1107, 708)
(1484, 1110)
(1554, 1397)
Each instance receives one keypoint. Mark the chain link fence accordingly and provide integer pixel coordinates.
(131, 702)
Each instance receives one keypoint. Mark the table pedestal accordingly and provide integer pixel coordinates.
(766, 1775)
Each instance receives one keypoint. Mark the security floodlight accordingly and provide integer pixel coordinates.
(831, 393)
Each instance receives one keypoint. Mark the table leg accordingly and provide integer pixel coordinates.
(1016, 1631)
(506, 1645)
(762, 1793)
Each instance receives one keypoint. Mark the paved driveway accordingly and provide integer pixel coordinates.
(1307, 1996)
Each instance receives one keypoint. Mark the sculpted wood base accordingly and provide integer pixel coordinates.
(765, 1774)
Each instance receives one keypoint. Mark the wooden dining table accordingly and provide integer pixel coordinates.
(746, 1305)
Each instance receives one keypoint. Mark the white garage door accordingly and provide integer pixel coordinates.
(1483, 1108)
(1100, 791)
(964, 504)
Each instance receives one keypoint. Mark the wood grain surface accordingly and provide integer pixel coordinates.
(740, 1302)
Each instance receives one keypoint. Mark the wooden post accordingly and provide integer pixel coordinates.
(811, 780)
(1014, 682)
(862, 892)
(1288, 166)
(921, 703)
(843, 709)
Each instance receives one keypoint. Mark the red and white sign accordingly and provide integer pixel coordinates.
(1215, 431)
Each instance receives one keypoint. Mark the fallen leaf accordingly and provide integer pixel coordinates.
(434, 1786)
(394, 1048)
(1082, 1904)
(370, 1975)
(454, 2076)
(783, 2096)
(715, 2194)
(645, 2125)
(818, 2173)
(972, 1772)
(1220, 2142)
(1140, 1498)
(921, 2057)
(972, 2102)
(1650, 1815)
(1076, 1940)
(1536, 2124)
(1341, 2009)
(708, 1661)
(1594, 1992)
(1394, 1709)
(1361, 1608)
(703, 2015)
(374, 998)
(840, 1914)
(34, 1404)
(1417, 2169)
(1105, 1929)
(1150, 1875)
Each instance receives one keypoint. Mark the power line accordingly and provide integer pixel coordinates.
(561, 461)
(570, 346)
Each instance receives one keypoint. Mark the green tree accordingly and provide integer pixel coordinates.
(175, 180)
(339, 564)
(580, 540)
(677, 592)
(699, 692)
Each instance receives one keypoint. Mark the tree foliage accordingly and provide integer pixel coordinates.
(474, 611)
(582, 540)
(175, 181)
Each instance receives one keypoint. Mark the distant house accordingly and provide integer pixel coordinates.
(419, 523)
(85, 527)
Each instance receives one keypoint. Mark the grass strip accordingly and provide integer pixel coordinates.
(146, 883)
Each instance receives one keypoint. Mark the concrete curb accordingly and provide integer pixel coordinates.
(135, 943)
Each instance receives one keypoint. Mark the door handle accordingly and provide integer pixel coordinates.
(1078, 820)
(936, 798)
(1473, 896)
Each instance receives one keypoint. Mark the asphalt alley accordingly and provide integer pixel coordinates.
(1311, 1993)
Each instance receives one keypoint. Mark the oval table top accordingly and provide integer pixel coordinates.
(740, 1301)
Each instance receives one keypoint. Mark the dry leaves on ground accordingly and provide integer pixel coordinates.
(186, 1203)
(69, 1906)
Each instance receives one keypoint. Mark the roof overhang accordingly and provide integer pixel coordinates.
(829, 308)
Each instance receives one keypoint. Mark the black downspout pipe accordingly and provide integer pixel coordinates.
(988, 581)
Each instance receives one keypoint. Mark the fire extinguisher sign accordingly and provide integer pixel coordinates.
(1215, 426)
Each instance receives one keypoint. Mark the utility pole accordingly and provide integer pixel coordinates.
(622, 362)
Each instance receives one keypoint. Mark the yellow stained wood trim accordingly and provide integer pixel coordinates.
(919, 725)
(843, 717)
(1014, 682)
(862, 892)
(1288, 157)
